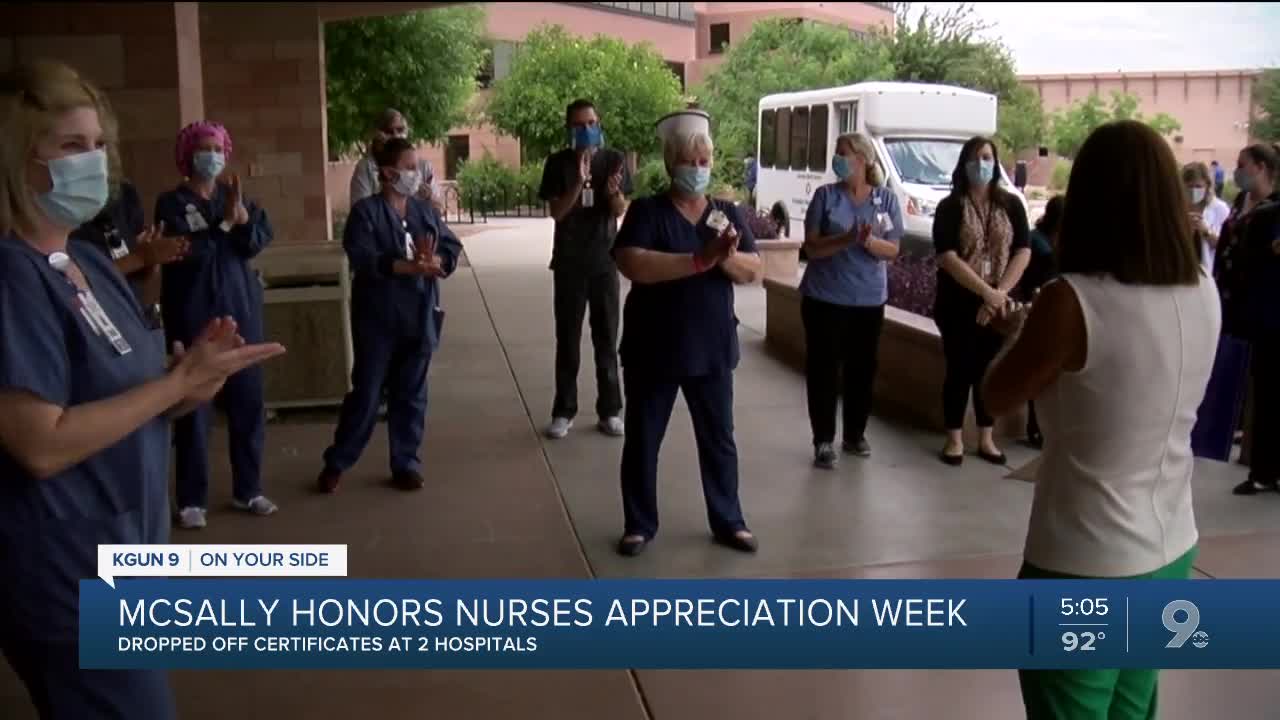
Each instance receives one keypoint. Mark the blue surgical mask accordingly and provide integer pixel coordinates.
(840, 166)
(1244, 180)
(692, 179)
(981, 171)
(208, 165)
(583, 137)
(79, 189)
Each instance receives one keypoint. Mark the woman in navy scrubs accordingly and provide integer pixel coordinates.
(84, 453)
(138, 251)
(215, 278)
(682, 252)
(399, 248)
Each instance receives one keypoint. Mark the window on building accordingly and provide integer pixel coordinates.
(782, 150)
(668, 10)
(818, 138)
(719, 37)
(768, 139)
(456, 153)
(799, 138)
(677, 69)
(497, 63)
(847, 118)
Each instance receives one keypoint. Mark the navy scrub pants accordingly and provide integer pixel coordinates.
(242, 400)
(400, 366)
(60, 690)
(649, 402)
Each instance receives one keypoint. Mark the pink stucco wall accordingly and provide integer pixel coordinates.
(512, 21)
(1213, 107)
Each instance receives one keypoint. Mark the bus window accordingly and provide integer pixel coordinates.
(818, 138)
(799, 138)
(782, 153)
(768, 140)
(847, 118)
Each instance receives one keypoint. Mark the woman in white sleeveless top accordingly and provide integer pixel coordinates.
(1116, 354)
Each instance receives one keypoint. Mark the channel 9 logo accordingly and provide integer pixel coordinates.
(1185, 628)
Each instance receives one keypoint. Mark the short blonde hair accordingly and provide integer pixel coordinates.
(32, 96)
(861, 145)
(678, 146)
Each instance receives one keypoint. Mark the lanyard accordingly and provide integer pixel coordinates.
(89, 307)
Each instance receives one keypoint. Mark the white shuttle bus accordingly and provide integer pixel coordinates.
(917, 130)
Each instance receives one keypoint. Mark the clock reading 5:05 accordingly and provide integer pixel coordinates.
(1096, 607)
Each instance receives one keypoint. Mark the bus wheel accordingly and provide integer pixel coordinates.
(779, 216)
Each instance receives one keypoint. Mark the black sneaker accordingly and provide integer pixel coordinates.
(824, 456)
(1254, 487)
(859, 447)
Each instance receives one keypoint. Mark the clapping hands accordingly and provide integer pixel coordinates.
(157, 249)
(235, 212)
(218, 353)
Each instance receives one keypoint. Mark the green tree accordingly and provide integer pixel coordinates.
(630, 85)
(1072, 125)
(422, 63)
(948, 48)
(779, 56)
(1266, 117)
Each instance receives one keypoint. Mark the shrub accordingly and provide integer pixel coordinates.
(762, 225)
(1061, 175)
(651, 178)
(1229, 192)
(913, 283)
(487, 185)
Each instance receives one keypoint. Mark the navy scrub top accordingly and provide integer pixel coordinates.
(680, 328)
(390, 305)
(119, 225)
(215, 278)
(50, 528)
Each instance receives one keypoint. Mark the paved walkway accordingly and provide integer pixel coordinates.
(502, 502)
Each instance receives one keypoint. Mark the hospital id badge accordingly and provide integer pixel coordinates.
(408, 245)
(195, 221)
(104, 323)
(986, 269)
(588, 197)
(118, 248)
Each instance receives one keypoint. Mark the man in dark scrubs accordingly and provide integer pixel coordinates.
(586, 186)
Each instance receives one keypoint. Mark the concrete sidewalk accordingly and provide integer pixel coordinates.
(501, 501)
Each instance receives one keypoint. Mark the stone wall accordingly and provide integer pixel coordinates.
(264, 80)
(140, 54)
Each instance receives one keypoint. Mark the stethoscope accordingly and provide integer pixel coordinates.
(88, 305)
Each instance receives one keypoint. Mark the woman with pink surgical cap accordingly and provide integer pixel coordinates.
(215, 279)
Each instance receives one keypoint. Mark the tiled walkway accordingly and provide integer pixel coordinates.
(502, 502)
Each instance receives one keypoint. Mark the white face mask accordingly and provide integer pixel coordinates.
(407, 183)
(1197, 195)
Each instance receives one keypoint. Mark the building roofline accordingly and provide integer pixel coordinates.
(631, 13)
(1159, 74)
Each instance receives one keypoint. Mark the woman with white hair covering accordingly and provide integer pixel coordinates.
(683, 252)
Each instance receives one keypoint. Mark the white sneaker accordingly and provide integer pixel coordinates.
(558, 428)
(192, 518)
(258, 506)
(612, 426)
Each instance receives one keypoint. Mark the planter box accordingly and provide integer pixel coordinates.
(908, 384)
(781, 259)
(307, 309)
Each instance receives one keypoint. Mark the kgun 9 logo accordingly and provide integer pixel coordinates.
(1186, 628)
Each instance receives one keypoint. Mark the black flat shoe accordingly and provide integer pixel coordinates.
(1253, 487)
(747, 544)
(952, 460)
(631, 547)
(994, 459)
(407, 480)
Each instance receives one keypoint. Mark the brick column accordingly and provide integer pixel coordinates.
(264, 80)
(134, 52)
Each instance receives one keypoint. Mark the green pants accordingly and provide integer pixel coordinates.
(1095, 694)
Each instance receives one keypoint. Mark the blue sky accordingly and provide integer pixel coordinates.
(1133, 36)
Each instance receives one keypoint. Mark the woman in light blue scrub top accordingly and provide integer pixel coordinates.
(851, 231)
(87, 396)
